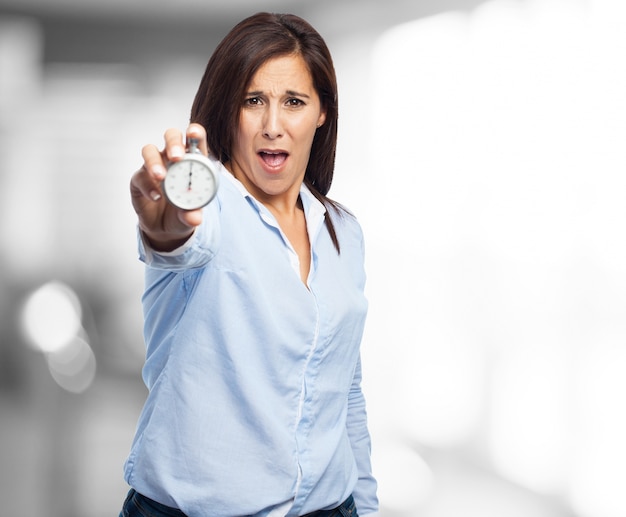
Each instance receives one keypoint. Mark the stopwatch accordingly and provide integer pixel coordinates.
(191, 182)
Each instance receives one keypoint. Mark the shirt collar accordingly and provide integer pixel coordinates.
(314, 210)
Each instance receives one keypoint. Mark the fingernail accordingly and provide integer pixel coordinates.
(177, 152)
(158, 171)
(154, 195)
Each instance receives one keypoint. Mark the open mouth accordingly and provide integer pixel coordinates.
(273, 159)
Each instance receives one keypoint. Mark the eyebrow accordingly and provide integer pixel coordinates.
(288, 92)
(297, 94)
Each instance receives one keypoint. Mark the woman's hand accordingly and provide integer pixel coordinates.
(165, 226)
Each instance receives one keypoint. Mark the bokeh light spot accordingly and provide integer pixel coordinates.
(51, 317)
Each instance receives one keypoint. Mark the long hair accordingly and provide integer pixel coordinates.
(230, 70)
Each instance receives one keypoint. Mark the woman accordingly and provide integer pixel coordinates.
(254, 305)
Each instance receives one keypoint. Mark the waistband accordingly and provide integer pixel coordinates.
(345, 509)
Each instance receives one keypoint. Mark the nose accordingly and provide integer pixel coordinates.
(272, 123)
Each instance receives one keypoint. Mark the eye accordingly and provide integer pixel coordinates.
(295, 102)
(252, 101)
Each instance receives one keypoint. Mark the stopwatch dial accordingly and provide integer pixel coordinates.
(189, 184)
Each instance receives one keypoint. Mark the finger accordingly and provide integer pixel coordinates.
(197, 131)
(153, 162)
(190, 218)
(142, 184)
(174, 145)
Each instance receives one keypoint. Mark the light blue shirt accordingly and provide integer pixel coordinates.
(254, 406)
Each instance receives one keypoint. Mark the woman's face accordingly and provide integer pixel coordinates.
(277, 123)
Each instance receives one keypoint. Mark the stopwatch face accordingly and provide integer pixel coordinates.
(190, 183)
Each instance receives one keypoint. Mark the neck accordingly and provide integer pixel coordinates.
(282, 204)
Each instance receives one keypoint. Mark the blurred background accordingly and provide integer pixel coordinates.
(482, 148)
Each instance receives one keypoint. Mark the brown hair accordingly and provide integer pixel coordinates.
(232, 66)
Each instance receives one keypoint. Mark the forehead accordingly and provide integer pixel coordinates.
(283, 73)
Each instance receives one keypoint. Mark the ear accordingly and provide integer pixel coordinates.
(321, 119)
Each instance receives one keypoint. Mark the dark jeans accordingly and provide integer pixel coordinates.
(137, 505)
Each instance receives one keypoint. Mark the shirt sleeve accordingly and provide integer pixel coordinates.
(365, 491)
(196, 252)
